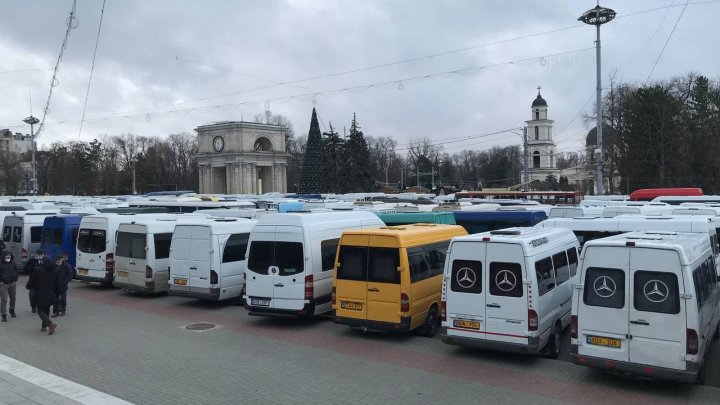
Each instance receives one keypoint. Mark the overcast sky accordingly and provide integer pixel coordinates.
(167, 66)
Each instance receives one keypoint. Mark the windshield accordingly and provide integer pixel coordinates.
(91, 241)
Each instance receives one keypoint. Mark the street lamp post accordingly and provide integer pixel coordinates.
(598, 16)
(32, 121)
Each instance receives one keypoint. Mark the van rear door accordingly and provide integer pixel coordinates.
(261, 260)
(290, 269)
(657, 314)
(466, 290)
(180, 257)
(200, 258)
(384, 280)
(351, 277)
(506, 307)
(603, 312)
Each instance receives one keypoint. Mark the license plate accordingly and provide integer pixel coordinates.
(465, 324)
(353, 306)
(122, 273)
(261, 302)
(83, 272)
(602, 341)
(180, 281)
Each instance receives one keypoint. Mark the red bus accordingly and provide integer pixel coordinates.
(647, 194)
(543, 197)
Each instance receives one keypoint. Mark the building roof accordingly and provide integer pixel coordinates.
(539, 101)
(608, 135)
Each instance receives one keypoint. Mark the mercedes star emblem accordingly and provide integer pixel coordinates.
(604, 286)
(656, 291)
(505, 280)
(465, 277)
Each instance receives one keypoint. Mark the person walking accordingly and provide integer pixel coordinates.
(64, 275)
(43, 283)
(39, 261)
(8, 283)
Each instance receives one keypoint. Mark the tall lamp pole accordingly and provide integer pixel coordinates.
(32, 121)
(598, 16)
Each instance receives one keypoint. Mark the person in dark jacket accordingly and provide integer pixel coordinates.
(39, 261)
(8, 282)
(43, 283)
(64, 274)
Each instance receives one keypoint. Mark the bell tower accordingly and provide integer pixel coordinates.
(540, 140)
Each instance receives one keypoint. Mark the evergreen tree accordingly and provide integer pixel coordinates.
(356, 173)
(333, 149)
(312, 178)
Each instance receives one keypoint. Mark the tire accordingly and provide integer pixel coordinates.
(700, 379)
(430, 327)
(553, 345)
(716, 336)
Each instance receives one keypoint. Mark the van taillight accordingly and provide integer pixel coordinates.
(443, 310)
(148, 272)
(244, 285)
(24, 254)
(692, 342)
(532, 320)
(334, 296)
(573, 327)
(404, 303)
(213, 277)
(309, 290)
(109, 263)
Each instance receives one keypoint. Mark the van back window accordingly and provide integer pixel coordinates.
(17, 234)
(506, 279)
(235, 248)
(290, 258)
(261, 256)
(604, 287)
(91, 240)
(562, 270)
(131, 244)
(162, 245)
(7, 234)
(656, 291)
(383, 264)
(35, 234)
(466, 276)
(353, 263)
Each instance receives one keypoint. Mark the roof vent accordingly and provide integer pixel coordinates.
(505, 232)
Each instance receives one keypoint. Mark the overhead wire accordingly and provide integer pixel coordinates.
(667, 41)
(92, 68)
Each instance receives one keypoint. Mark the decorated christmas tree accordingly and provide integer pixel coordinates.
(312, 178)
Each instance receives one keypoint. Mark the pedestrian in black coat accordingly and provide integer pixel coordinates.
(8, 282)
(43, 283)
(65, 275)
(39, 261)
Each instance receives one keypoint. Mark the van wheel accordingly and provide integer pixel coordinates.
(716, 336)
(430, 327)
(554, 343)
(700, 379)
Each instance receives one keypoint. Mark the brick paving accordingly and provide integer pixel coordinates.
(135, 348)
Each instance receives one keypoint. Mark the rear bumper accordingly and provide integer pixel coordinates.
(403, 326)
(689, 375)
(150, 287)
(307, 310)
(532, 346)
(208, 294)
(108, 278)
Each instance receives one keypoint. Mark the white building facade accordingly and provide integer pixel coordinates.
(541, 147)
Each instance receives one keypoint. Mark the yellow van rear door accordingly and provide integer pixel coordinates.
(383, 287)
(351, 277)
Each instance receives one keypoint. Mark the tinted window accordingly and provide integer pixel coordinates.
(572, 261)
(162, 245)
(419, 269)
(131, 244)
(436, 258)
(47, 236)
(260, 257)
(328, 249)
(17, 234)
(562, 270)
(545, 275)
(705, 268)
(506, 279)
(353, 263)
(35, 234)
(75, 236)
(466, 276)
(382, 265)
(656, 292)
(235, 248)
(604, 287)
(289, 258)
(7, 233)
(91, 240)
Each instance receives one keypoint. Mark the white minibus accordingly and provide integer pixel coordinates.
(207, 260)
(646, 304)
(22, 233)
(509, 289)
(291, 258)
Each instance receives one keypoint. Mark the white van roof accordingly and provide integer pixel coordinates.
(532, 239)
(314, 218)
(224, 225)
(690, 246)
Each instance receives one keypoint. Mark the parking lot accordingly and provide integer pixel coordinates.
(137, 348)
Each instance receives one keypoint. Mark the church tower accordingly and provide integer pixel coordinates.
(541, 146)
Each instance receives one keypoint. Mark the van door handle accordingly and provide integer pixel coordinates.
(279, 285)
(373, 290)
(640, 322)
(132, 262)
(493, 305)
(193, 268)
